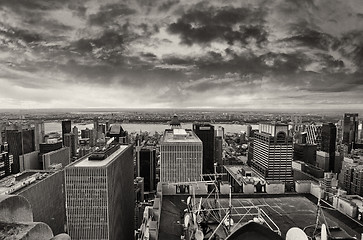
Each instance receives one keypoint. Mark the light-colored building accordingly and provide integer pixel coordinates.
(181, 156)
(100, 195)
(273, 153)
(52, 158)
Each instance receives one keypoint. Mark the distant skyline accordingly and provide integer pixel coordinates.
(253, 54)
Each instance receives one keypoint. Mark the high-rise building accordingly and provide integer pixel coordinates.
(248, 131)
(76, 135)
(60, 157)
(328, 142)
(273, 153)
(100, 195)
(118, 133)
(49, 147)
(66, 128)
(350, 130)
(5, 164)
(205, 132)
(218, 150)
(181, 156)
(305, 153)
(70, 141)
(146, 167)
(39, 134)
(314, 135)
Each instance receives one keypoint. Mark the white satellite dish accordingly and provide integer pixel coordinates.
(296, 233)
(199, 235)
(186, 220)
(324, 234)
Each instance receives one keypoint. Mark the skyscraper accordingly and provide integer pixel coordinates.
(5, 165)
(66, 128)
(205, 132)
(181, 156)
(146, 167)
(273, 152)
(70, 141)
(76, 135)
(350, 130)
(314, 135)
(328, 140)
(100, 195)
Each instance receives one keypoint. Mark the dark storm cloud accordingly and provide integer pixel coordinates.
(206, 25)
(109, 13)
(165, 6)
(19, 34)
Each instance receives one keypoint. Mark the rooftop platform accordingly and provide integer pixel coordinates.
(85, 162)
(180, 136)
(286, 212)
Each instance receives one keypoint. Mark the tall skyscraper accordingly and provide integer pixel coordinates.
(118, 133)
(5, 164)
(314, 135)
(146, 167)
(66, 128)
(38, 134)
(350, 130)
(328, 142)
(100, 195)
(76, 135)
(70, 141)
(181, 156)
(273, 152)
(205, 132)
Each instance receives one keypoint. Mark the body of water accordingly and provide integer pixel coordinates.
(150, 127)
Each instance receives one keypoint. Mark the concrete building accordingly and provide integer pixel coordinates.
(328, 142)
(44, 191)
(100, 195)
(70, 141)
(181, 156)
(314, 135)
(61, 156)
(49, 147)
(5, 163)
(205, 133)
(30, 161)
(273, 153)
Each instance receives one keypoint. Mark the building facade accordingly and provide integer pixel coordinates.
(146, 167)
(181, 157)
(273, 153)
(66, 128)
(100, 195)
(205, 133)
(328, 142)
(350, 130)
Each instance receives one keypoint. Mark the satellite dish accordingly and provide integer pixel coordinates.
(186, 220)
(296, 233)
(324, 235)
(189, 200)
(199, 235)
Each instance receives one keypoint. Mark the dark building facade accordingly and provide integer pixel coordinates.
(328, 141)
(66, 128)
(70, 141)
(205, 132)
(20, 142)
(5, 165)
(305, 153)
(350, 130)
(49, 147)
(146, 167)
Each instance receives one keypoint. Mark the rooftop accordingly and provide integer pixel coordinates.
(180, 135)
(85, 162)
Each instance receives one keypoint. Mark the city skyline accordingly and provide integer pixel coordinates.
(181, 54)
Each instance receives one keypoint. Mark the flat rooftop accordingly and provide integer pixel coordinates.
(286, 212)
(180, 136)
(85, 162)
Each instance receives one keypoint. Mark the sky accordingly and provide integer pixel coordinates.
(274, 54)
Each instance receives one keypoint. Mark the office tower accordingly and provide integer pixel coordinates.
(305, 153)
(118, 133)
(218, 150)
(100, 195)
(205, 133)
(146, 167)
(350, 130)
(70, 141)
(5, 164)
(181, 156)
(272, 153)
(248, 131)
(95, 127)
(66, 128)
(328, 141)
(20, 142)
(38, 134)
(219, 132)
(314, 135)
(76, 135)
